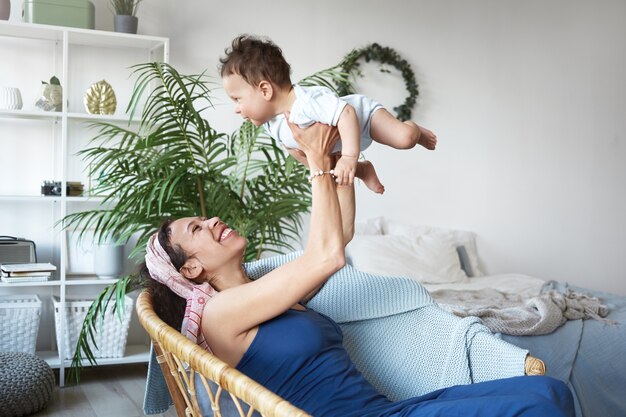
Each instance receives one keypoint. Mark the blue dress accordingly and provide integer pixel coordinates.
(299, 355)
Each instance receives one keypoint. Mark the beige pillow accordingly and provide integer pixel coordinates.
(430, 259)
(460, 238)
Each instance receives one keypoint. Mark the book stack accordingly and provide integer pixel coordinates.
(29, 272)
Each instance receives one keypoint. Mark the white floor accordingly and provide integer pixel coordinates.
(105, 391)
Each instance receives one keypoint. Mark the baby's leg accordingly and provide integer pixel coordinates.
(366, 172)
(390, 131)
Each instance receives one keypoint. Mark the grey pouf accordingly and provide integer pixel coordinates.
(26, 384)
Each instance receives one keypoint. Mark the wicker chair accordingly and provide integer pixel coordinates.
(173, 350)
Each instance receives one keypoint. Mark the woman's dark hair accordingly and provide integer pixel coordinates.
(256, 59)
(167, 305)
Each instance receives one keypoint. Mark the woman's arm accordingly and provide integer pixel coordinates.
(235, 311)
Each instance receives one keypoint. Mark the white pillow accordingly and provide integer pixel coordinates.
(460, 237)
(369, 227)
(430, 259)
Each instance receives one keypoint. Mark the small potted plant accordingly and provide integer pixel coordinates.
(125, 15)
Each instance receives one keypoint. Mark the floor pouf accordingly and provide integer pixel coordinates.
(26, 384)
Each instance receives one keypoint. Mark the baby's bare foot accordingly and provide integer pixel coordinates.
(366, 172)
(427, 139)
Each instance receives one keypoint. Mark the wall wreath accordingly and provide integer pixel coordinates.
(385, 55)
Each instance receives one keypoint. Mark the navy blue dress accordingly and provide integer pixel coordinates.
(299, 355)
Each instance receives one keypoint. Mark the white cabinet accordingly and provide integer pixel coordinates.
(36, 145)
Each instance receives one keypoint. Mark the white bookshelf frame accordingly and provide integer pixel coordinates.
(61, 40)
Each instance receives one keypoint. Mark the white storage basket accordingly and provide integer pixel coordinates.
(19, 322)
(110, 337)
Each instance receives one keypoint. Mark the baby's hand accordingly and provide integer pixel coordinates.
(345, 170)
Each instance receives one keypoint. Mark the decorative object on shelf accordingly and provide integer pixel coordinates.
(100, 99)
(51, 188)
(384, 55)
(125, 15)
(73, 13)
(10, 98)
(5, 9)
(51, 95)
(109, 259)
(80, 252)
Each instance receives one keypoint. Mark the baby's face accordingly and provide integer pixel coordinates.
(250, 102)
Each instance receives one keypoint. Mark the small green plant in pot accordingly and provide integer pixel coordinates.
(125, 15)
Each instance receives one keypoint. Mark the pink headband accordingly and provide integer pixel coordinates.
(162, 270)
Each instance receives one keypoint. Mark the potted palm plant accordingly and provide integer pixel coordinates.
(124, 12)
(175, 165)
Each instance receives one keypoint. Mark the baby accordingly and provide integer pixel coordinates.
(256, 77)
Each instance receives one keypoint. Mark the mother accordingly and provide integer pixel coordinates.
(262, 328)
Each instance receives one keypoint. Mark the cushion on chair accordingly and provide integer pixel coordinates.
(26, 384)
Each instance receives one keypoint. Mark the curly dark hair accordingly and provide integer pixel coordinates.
(167, 304)
(256, 59)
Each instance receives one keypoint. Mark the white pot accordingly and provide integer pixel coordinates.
(10, 98)
(108, 260)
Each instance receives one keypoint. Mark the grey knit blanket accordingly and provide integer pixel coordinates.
(507, 314)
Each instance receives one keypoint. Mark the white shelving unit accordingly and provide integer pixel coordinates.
(36, 145)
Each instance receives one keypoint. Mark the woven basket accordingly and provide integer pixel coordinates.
(110, 337)
(19, 322)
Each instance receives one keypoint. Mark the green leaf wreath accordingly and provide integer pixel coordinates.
(388, 56)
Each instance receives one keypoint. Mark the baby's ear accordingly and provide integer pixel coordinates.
(266, 89)
(191, 269)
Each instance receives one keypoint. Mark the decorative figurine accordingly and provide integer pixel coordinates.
(100, 99)
(51, 96)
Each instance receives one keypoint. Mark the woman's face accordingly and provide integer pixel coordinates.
(210, 241)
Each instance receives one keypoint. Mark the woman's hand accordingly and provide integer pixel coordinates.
(316, 141)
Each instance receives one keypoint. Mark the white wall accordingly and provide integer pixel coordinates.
(528, 100)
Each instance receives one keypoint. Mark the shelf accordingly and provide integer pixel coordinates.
(50, 283)
(77, 36)
(31, 198)
(31, 114)
(133, 354)
(88, 280)
(55, 115)
(52, 198)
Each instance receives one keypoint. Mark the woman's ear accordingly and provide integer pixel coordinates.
(267, 90)
(192, 269)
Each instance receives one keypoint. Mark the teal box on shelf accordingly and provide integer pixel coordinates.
(74, 13)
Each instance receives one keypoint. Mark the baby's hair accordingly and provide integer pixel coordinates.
(255, 60)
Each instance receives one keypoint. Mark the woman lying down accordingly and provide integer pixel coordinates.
(262, 327)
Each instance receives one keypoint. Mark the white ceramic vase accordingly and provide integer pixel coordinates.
(10, 98)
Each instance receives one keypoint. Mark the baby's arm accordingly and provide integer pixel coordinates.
(350, 134)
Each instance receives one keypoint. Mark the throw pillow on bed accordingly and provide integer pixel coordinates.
(460, 237)
(430, 259)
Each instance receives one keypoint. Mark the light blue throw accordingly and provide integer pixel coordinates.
(395, 333)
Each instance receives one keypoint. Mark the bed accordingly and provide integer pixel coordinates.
(587, 353)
